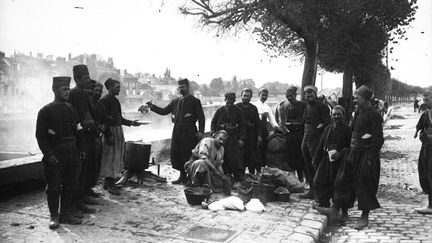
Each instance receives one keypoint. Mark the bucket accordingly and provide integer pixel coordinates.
(282, 194)
(245, 191)
(137, 156)
(264, 192)
(196, 195)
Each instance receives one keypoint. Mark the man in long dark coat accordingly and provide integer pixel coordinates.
(316, 118)
(359, 174)
(289, 115)
(424, 126)
(185, 112)
(57, 134)
(80, 99)
(253, 132)
(334, 142)
(230, 118)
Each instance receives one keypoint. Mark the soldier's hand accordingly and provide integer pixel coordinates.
(135, 123)
(240, 143)
(320, 125)
(260, 140)
(52, 160)
(415, 135)
(199, 135)
(110, 140)
(149, 103)
(82, 155)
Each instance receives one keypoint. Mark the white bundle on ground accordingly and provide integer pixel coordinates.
(254, 205)
(233, 203)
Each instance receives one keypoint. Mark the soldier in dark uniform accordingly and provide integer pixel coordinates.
(289, 115)
(101, 119)
(316, 118)
(57, 134)
(185, 112)
(424, 126)
(359, 173)
(230, 118)
(253, 132)
(80, 99)
(334, 142)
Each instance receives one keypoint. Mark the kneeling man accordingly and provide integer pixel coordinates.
(205, 164)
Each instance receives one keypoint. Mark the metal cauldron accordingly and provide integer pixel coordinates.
(137, 156)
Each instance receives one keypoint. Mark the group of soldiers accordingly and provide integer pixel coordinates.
(339, 162)
(81, 138)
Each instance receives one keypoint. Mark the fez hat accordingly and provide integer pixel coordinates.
(61, 81)
(80, 71)
(339, 107)
(110, 82)
(292, 90)
(365, 92)
(184, 81)
(247, 90)
(263, 89)
(230, 96)
(310, 89)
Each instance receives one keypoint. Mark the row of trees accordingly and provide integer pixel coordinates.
(346, 36)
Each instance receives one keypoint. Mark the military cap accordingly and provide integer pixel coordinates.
(292, 90)
(263, 89)
(310, 89)
(61, 81)
(79, 71)
(110, 82)
(230, 96)
(365, 92)
(183, 81)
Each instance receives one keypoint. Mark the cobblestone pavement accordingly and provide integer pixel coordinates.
(399, 191)
(158, 212)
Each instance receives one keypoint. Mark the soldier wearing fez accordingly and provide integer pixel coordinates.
(185, 112)
(59, 136)
(230, 118)
(359, 172)
(316, 118)
(80, 99)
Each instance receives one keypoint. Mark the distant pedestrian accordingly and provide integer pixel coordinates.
(334, 143)
(289, 115)
(316, 118)
(58, 135)
(230, 118)
(113, 147)
(250, 155)
(268, 122)
(358, 176)
(185, 111)
(424, 125)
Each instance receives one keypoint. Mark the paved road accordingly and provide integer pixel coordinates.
(158, 212)
(399, 192)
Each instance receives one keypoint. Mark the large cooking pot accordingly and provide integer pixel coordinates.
(137, 156)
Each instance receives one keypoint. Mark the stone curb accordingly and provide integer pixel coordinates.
(310, 228)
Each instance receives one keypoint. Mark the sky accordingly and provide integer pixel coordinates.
(152, 35)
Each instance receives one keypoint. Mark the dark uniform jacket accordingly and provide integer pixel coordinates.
(81, 100)
(367, 121)
(184, 111)
(252, 120)
(287, 112)
(114, 112)
(55, 122)
(229, 119)
(314, 114)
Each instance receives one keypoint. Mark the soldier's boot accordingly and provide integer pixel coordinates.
(363, 220)
(331, 213)
(182, 178)
(54, 222)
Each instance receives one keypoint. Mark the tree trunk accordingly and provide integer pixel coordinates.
(347, 90)
(310, 64)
